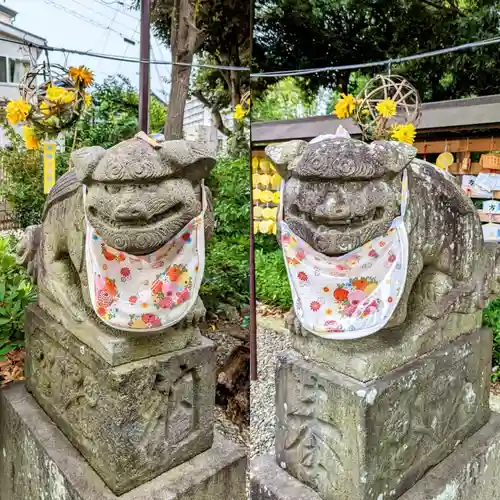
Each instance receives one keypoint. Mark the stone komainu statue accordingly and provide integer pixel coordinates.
(340, 193)
(139, 194)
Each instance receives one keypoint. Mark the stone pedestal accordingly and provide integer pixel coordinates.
(471, 472)
(37, 462)
(352, 440)
(131, 421)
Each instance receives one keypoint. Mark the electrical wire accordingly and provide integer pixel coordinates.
(76, 14)
(387, 62)
(110, 4)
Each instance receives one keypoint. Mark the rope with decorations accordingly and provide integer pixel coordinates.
(388, 108)
(53, 106)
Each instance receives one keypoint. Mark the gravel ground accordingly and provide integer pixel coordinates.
(271, 339)
(14, 232)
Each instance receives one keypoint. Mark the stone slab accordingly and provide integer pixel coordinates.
(114, 349)
(471, 472)
(132, 422)
(350, 440)
(373, 356)
(268, 481)
(37, 462)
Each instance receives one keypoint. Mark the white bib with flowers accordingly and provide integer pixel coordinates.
(350, 296)
(147, 292)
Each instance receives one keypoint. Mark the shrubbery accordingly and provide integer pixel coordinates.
(491, 319)
(16, 292)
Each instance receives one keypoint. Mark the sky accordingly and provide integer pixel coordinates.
(96, 26)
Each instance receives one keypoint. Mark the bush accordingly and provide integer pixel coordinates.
(272, 286)
(226, 270)
(16, 292)
(491, 319)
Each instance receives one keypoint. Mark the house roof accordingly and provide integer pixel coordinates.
(8, 11)
(15, 32)
(460, 115)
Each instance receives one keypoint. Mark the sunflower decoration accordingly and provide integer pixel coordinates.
(388, 108)
(55, 105)
(242, 109)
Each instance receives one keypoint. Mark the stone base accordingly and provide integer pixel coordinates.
(471, 472)
(132, 422)
(38, 463)
(115, 349)
(350, 440)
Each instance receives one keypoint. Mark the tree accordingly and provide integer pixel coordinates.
(219, 32)
(291, 34)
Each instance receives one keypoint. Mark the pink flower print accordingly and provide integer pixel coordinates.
(99, 282)
(356, 297)
(302, 276)
(166, 303)
(315, 306)
(391, 257)
(350, 310)
(372, 253)
(151, 320)
(381, 244)
(300, 255)
(132, 299)
(182, 296)
(332, 326)
(341, 267)
(168, 289)
(372, 308)
(104, 298)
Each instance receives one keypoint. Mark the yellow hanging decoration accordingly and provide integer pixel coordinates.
(257, 194)
(255, 180)
(49, 166)
(255, 163)
(265, 166)
(257, 212)
(275, 181)
(276, 197)
(445, 160)
(264, 180)
(270, 213)
(266, 196)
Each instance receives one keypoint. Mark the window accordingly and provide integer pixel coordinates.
(12, 70)
(3, 69)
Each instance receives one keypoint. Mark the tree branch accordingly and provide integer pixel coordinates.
(216, 115)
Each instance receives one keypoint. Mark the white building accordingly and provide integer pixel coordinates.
(199, 124)
(15, 56)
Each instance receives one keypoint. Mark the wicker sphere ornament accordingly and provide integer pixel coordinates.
(386, 104)
(56, 96)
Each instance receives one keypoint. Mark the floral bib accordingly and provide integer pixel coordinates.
(148, 292)
(350, 296)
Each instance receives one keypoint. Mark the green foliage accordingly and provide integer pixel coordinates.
(283, 100)
(226, 268)
(272, 286)
(23, 186)
(491, 319)
(16, 292)
(113, 116)
(291, 34)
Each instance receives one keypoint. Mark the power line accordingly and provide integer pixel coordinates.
(387, 62)
(109, 5)
(74, 13)
(120, 58)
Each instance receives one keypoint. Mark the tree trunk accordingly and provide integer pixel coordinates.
(185, 41)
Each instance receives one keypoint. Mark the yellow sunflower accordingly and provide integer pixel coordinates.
(81, 75)
(30, 139)
(17, 111)
(387, 108)
(346, 106)
(404, 133)
(59, 95)
(239, 112)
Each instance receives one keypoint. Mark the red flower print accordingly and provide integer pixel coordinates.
(315, 306)
(381, 244)
(302, 276)
(360, 284)
(121, 257)
(326, 289)
(132, 299)
(166, 303)
(125, 272)
(340, 294)
(101, 311)
(151, 320)
(389, 300)
(300, 255)
(104, 299)
(186, 236)
(173, 273)
(110, 287)
(372, 253)
(391, 258)
(182, 296)
(108, 255)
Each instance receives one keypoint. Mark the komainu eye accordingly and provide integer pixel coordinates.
(111, 188)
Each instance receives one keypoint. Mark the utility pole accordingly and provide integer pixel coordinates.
(144, 79)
